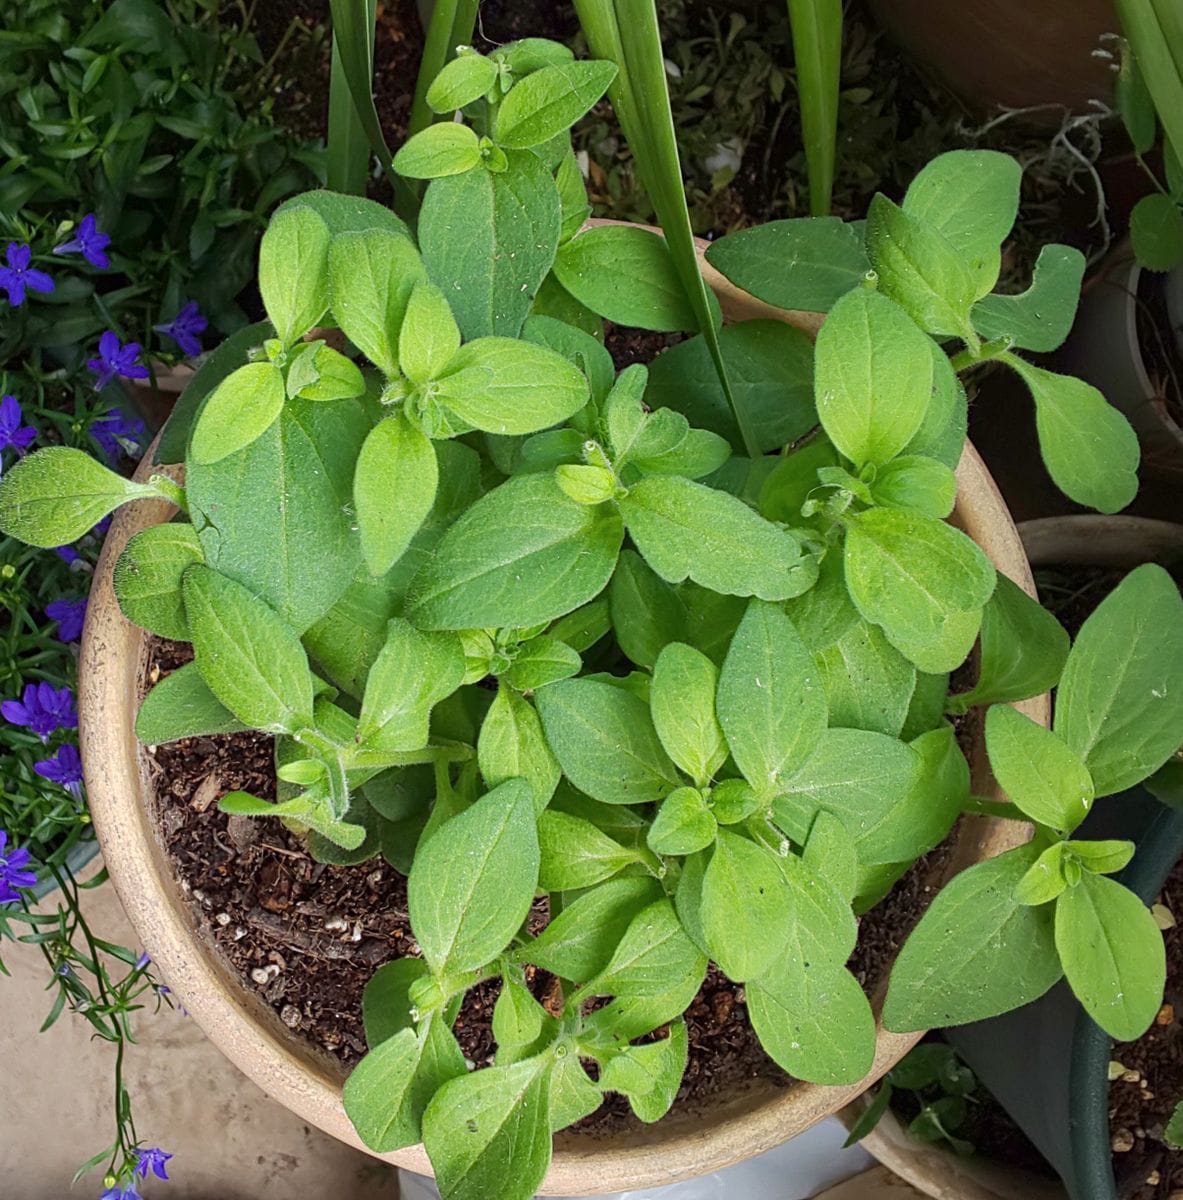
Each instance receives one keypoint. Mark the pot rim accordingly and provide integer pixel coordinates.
(119, 776)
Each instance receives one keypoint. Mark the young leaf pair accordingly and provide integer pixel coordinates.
(1001, 933)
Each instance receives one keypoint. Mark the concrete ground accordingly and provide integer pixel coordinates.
(229, 1141)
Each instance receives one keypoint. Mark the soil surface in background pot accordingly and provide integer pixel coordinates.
(1150, 1084)
(892, 119)
(307, 937)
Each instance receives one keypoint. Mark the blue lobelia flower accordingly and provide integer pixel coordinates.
(70, 615)
(67, 554)
(14, 872)
(89, 241)
(152, 1160)
(117, 433)
(114, 359)
(184, 328)
(43, 709)
(17, 275)
(14, 435)
(65, 768)
(122, 1191)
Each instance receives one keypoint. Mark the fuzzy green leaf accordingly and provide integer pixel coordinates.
(472, 884)
(771, 702)
(1113, 955)
(687, 530)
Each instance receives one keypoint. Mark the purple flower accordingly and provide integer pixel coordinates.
(69, 614)
(152, 1160)
(122, 1191)
(143, 962)
(13, 872)
(117, 432)
(67, 554)
(115, 359)
(65, 768)
(184, 328)
(100, 530)
(42, 708)
(90, 242)
(12, 433)
(18, 275)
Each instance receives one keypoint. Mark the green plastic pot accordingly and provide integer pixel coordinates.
(82, 853)
(1048, 1063)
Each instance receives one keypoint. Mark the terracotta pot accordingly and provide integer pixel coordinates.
(1070, 1066)
(1012, 53)
(120, 778)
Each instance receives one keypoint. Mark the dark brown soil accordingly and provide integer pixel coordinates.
(306, 937)
(1071, 593)
(987, 1127)
(1143, 1098)
(628, 346)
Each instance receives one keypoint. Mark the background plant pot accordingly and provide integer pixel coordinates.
(119, 776)
(1008, 52)
(1106, 349)
(1047, 1063)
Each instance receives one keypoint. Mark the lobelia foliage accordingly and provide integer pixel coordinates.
(520, 626)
